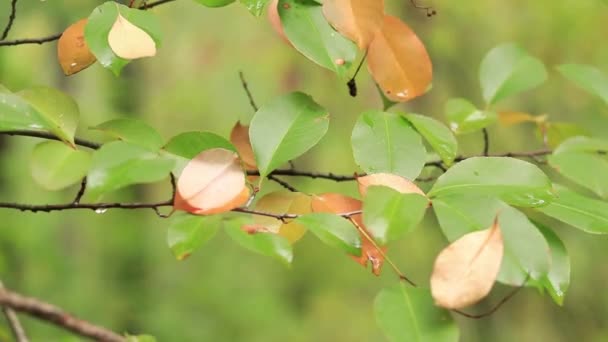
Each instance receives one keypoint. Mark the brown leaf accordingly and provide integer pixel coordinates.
(72, 50)
(394, 182)
(358, 20)
(339, 204)
(283, 203)
(466, 270)
(129, 41)
(239, 137)
(213, 182)
(398, 61)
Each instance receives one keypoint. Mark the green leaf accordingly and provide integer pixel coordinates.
(386, 102)
(582, 144)
(585, 169)
(100, 23)
(267, 244)
(118, 164)
(56, 166)
(558, 279)
(587, 77)
(187, 233)
(189, 144)
(515, 181)
(285, 129)
(389, 214)
(132, 131)
(40, 108)
(307, 29)
(255, 7)
(554, 133)
(579, 211)
(507, 70)
(437, 135)
(140, 338)
(525, 247)
(385, 142)
(219, 3)
(464, 117)
(409, 314)
(334, 231)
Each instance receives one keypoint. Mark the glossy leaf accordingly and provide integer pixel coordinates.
(118, 164)
(398, 61)
(437, 135)
(394, 182)
(333, 230)
(310, 33)
(358, 20)
(406, 313)
(283, 203)
(267, 244)
(507, 70)
(385, 142)
(129, 41)
(389, 214)
(187, 233)
(465, 271)
(557, 281)
(255, 7)
(464, 117)
(213, 182)
(56, 166)
(587, 77)
(215, 3)
(72, 50)
(100, 23)
(285, 129)
(132, 131)
(515, 181)
(239, 137)
(587, 214)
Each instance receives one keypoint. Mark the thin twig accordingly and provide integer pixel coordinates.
(11, 20)
(56, 36)
(248, 92)
(57, 316)
(282, 183)
(486, 141)
(373, 242)
(14, 322)
(50, 136)
(497, 306)
(83, 188)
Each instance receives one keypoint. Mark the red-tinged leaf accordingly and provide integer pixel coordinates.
(466, 270)
(72, 50)
(339, 204)
(213, 182)
(398, 61)
(239, 137)
(255, 228)
(394, 182)
(275, 20)
(358, 20)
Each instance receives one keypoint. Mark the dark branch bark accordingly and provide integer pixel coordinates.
(282, 183)
(57, 316)
(11, 20)
(50, 136)
(56, 36)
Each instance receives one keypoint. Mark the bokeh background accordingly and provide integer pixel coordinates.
(115, 269)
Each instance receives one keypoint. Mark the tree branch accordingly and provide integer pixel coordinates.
(486, 141)
(50, 136)
(497, 306)
(56, 36)
(11, 19)
(57, 316)
(248, 92)
(14, 323)
(282, 183)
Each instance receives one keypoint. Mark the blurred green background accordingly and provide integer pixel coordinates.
(115, 268)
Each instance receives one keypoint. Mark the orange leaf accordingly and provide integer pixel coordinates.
(358, 20)
(283, 203)
(72, 50)
(466, 270)
(398, 61)
(239, 137)
(275, 20)
(394, 182)
(213, 182)
(339, 204)
(514, 118)
(129, 41)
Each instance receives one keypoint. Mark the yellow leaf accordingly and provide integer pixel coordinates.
(358, 20)
(129, 41)
(213, 182)
(514, 118)
(239, 137)
(398, 61)
(466, 270)
(283, 203)
(72, 50)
